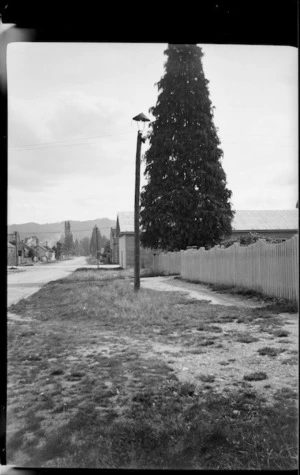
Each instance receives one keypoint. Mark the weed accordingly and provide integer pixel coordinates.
(246, 339)
(207, 342)
(206, 378)
(57, 372)
(256, 376)
(285, 393)
(27, 333)
(209, 328)
(34, 358)
(281, 333)
(290, 361)
(151, 273)
(197, 351)
(267, 350)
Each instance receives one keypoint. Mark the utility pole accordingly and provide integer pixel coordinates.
(139, 118)
(17, 254)
(137, 213)
(97, 255)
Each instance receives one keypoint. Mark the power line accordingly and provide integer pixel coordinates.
(59, 232)
(87, 141)
(62, 143)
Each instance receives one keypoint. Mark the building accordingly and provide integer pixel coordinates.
(50, 253)
(11, 255)
(14, 239)
(41, 252)
(114, 246)
(125, 242)
(275, 224)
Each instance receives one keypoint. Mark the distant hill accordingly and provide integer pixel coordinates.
(52, 232)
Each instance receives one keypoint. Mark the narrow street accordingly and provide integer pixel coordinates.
(29, 279)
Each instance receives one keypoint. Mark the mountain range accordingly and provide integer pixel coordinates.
(52, 232)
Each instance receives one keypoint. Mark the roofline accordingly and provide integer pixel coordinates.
(265, 230)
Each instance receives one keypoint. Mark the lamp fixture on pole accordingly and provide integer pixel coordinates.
(140, 118)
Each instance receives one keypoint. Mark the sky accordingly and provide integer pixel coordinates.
(72, 141)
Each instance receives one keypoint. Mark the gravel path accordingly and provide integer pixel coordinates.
(196, 291)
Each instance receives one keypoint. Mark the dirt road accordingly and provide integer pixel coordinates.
(30, 279)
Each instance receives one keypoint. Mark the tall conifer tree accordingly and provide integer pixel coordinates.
(95, 242)
(185, 201)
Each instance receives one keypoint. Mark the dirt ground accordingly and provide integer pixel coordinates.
(56, 367)
(197, 292)
(281, 371)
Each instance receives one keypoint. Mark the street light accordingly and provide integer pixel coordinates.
(140, 118)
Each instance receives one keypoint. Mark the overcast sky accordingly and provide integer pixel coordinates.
(72, 140)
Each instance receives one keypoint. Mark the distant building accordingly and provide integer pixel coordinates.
(11, 255)
(50, 253)
(41, 252)
(276, 224)
(114, 246)
(125, 240)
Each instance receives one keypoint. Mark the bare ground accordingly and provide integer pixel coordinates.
(63, 365)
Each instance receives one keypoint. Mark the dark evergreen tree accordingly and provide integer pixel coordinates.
(95, 242)
(76, 247)
(68, 247)
(85, 245)
(58, 249)
(185, 201)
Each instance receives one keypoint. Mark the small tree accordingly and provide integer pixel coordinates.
(58, 249)
(95, 243)
(31, 253)
(77, 248)
(185, 201)
(69, 244)
(85, 244)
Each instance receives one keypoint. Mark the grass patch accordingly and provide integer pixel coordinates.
(268, 351)
(276, 305)
(151, 273)
(57, 372)
(206, 378)
(247, 339)
(173, 428)
(292, 361)
(209, 328)
(256, 376)
(281, 333)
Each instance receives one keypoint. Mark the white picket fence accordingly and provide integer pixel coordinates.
(272, 269)
(167, 262)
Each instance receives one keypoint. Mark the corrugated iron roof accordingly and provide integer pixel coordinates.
(244, 220)
(263, 220)
(126, 221)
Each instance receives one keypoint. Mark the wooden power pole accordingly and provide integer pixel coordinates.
(97, 251)
(17, 253)
(139, 118)
(137, 213)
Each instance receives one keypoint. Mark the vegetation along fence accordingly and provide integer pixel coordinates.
(272, 269)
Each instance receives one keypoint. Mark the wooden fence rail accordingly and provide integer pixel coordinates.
(272, 269)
